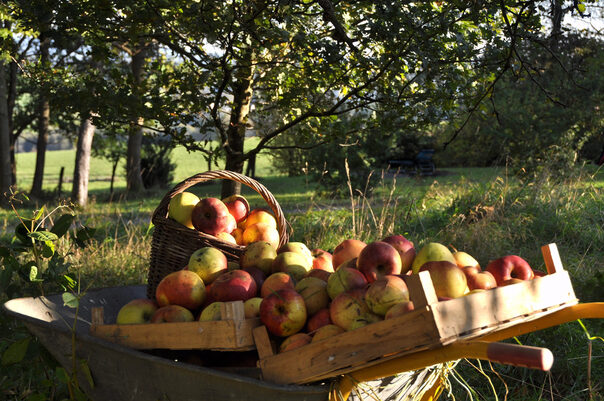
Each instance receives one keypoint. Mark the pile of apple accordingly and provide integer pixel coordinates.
(229, 219)
(302, 296)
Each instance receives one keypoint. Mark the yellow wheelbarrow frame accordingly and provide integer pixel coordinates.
(486, 348)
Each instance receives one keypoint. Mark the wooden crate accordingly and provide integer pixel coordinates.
(232, 333)
(432, 324)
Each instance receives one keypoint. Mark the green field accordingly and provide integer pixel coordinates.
(484, 211)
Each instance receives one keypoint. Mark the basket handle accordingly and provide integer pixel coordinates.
(162, 208)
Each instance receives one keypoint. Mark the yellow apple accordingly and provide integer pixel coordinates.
(181, 208)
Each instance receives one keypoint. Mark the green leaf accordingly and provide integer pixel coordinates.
(62, 224)
(85, 369)
(43, 236)
(70, 300)
(49, 249)
(15, 352)
(62, 375)
(33, 274)
(39, 214)
(581, 7)
(84, 235)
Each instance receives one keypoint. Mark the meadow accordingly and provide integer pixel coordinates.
(486, 212)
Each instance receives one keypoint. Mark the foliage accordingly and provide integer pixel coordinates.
(156, 165)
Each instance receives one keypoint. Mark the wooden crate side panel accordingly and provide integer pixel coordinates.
(498, 305)
(222, 334)
(351, 348)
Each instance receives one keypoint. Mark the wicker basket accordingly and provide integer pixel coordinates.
(173, 243)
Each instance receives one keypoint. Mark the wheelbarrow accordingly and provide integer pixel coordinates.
(122, 373)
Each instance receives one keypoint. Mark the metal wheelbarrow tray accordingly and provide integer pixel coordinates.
(122, 373)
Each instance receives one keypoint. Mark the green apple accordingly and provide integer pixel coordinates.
(259, 254)
(295, 264)
(208, 263)
(137, 311)
(211, 312)
(432, 252)
(181, 208)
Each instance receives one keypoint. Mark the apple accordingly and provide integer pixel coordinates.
(260, 232)
(379, 259)
(364, 320)
(259, 216)
(432, 251)
(347, 306)
(327, 331)
(295, 341)
(208, 262)
(463, 259)
(322, 260)
(405, 249)
(345, 279)
(238, 235)
(172, 313)
(319, 273)
(318, 320)
(210, 215)
(181, 208)
(231, 224)
(236, 285)
(296, 264)
(511, 281)
(283, 312)
(260, 255)
(232, 265)
(211, 312)
(251, 307)
(399, 309)
(238, 207)
(347, 249)
(297, 247)
(275, 282)
(314, 292)
(137, 311)
(385, 292)
(351, 263)
(448, 279)
(182, 287)
(510, 266)
(258, 276)
(479, 280)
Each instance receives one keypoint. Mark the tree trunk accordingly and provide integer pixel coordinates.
(12, 98)
(81, 172)
(134, 179)
(242, 100)
(5, 166)
(43, 123)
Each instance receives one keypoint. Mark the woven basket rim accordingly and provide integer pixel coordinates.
(160, 214)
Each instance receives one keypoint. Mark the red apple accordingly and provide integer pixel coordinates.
(236, 285)
(322, 260)
(405, 249)
(210, 215)
(379, 259)
(347, 306)
(314, 292)
(182, 287)
(386, 292)
(238, 207)
(318, 320)
(399, 310)
(510, 266)
(295, 341)
(448, 279)
(319, 273)
(137, 311)
(172, 313)
(345, 279)
(347, 249)
(283, 312)
(327, 331)
(275, 282)
(258, 276)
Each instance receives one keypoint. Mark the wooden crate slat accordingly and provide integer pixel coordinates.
(216, 335)
(352, 347)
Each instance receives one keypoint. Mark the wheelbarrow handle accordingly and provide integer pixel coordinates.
(520, 355)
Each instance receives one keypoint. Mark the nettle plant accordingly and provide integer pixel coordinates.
(35, 262)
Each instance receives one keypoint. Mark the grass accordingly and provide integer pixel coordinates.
(483, 211)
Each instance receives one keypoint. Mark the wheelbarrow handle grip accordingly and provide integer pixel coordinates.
(520, 355)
